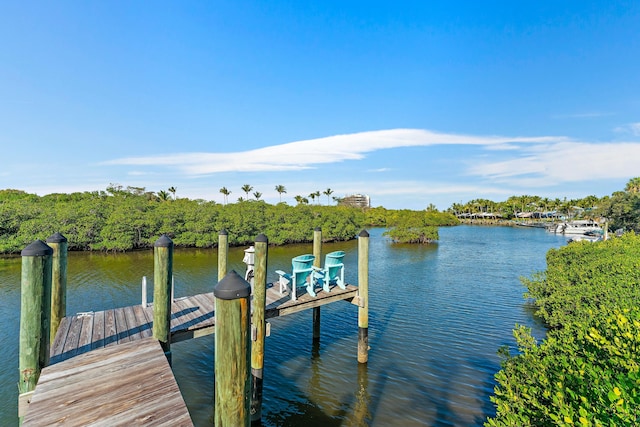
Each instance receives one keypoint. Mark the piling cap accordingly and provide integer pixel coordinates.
(37, 248)
(163, 242)
(317, 229)
(223, 232)
(232, 286)
(261, 238)
(56, 238)
(364, 233)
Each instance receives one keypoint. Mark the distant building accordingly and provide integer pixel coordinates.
(356, 200)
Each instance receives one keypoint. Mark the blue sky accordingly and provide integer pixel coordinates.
(410, 102)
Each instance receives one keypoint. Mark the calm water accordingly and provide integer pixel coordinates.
(437, 316)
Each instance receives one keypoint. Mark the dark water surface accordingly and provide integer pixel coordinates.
(437, 316)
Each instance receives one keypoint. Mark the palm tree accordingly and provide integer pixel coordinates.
(281, 189)
(327, 193)
(163, 195)
(257, 195)
(172, 190)
(633, 186)
(247, 188)
(226, 193)
(317, 194)
(312, 196)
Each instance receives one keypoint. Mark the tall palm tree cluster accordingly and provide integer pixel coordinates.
(280, 189)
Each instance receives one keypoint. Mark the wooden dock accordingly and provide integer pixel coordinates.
(121, 385)
(106, 369)
(112, 367)
(191, 317)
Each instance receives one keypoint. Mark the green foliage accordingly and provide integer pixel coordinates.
(123, 219)
(416, 226)
(586, 371)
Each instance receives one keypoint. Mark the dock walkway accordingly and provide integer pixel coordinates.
(106, 369)
(122, 385)
(191, 317)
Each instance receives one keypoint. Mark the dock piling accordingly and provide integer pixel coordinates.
(363, 295)
(258, 315)
(35, 313)
(223, 250)
(232, 352)
(317, 252)
(162, 278)
(59, 244)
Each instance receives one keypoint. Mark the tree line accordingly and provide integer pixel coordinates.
(621, 209)
(129, 218)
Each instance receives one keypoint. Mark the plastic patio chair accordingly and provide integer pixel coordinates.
(301, 270)
(332, 272)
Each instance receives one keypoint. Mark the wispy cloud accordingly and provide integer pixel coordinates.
(564, 162)
(587, 115)
(308, 154)
(631, 128)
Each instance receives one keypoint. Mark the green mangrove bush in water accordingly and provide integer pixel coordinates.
(586, 372)
(126, 219)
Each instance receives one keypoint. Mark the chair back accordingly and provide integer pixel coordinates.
(301, 268)
(334, 258)
(333, 263)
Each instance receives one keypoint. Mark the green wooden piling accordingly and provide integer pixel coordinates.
(317, 252)
(162, 274)
(223, 250)
(258, 315)
(363, 297)
(232, 352)
(59, 244)
(35, 313)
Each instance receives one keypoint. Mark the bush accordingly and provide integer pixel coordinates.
(586, 371)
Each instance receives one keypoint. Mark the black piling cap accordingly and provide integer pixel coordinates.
(37, 248)
(56, 238)
(163, 242)
(317, 229)
(262, 238)
(223, 232)
(232, 286)
(364, 233)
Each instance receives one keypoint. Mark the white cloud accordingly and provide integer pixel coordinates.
(551, 164)
(307, 154)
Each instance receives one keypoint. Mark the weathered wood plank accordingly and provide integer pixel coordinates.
(127, 384)
(70, 348)
(145, 323)
(132, 323)
(97, 338)
(110, 330)
(86, 333)
(183, 312)
(121, 326)
(207, 310)
(61, 337)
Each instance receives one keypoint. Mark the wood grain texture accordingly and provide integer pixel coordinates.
(122, 385)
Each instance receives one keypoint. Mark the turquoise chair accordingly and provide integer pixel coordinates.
(301, 275)
(332, 272)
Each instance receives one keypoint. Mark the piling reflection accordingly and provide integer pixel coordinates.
(361, 415)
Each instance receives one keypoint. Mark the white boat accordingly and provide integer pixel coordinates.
(579, 227)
